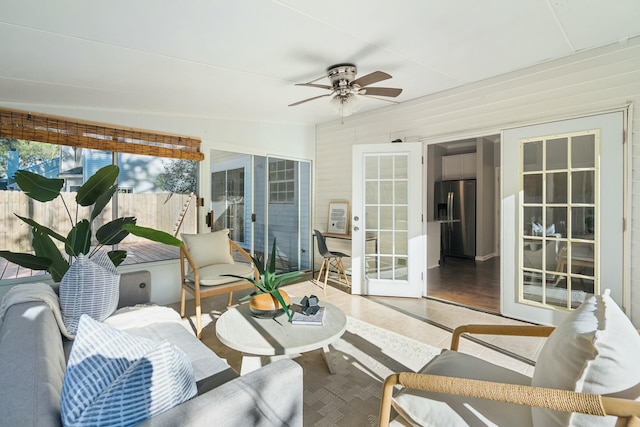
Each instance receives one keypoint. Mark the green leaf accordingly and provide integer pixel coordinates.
(26, 260)
(42, 228)
(97, 185)
(79, 239)
(287, 278)
(152, 234)
(38, 187)
(44, 247)
(117, 257)
(276, 293)
(112, 232)
(102, 201)
(258, 265)
(272, 261)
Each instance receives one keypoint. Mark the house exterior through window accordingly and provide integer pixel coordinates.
(282, 181)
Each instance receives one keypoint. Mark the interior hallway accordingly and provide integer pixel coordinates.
(471, 283)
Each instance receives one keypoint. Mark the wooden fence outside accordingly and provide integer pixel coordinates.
(152, 210)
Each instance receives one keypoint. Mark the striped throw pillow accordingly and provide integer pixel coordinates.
(114, 378)
(90, 286)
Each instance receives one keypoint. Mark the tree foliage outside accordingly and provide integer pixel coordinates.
(180, 176)
(31, 153)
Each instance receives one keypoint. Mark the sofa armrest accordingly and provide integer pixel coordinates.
(270, 396)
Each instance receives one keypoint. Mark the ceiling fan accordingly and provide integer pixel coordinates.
(345, 88)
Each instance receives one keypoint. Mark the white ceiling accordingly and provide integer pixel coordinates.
(239, 59)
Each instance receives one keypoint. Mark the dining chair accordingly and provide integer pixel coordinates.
(330, 259)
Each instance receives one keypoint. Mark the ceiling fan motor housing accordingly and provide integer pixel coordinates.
(341, 76)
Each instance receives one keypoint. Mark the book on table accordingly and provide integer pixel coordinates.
(300, 318)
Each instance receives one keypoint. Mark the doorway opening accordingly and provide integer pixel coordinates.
(463, 217)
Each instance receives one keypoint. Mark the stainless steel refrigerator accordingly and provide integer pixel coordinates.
(455, 204)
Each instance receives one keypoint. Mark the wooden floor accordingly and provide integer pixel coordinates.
(137, 253)
(470, 283)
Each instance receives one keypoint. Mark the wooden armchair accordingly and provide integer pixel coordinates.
(204, 260)
(570, 379)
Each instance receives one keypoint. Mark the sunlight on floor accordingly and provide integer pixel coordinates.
(424, 320)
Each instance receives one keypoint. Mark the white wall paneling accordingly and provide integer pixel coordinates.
(585, 83)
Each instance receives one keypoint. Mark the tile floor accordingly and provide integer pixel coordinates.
(422, 319)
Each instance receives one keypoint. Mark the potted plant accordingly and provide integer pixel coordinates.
(96, 193)
(268, 300)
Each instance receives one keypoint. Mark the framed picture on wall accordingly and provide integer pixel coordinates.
(338, 218)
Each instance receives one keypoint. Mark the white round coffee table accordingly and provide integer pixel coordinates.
(255, 337)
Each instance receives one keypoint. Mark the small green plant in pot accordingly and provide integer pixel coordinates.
(96, 193)
(268, 299)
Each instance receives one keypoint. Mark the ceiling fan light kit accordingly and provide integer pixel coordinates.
(346, 89)
(345, 105)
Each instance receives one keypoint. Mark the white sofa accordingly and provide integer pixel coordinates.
(34, 354)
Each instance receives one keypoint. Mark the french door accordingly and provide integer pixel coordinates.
(388, 245)
(563, 215)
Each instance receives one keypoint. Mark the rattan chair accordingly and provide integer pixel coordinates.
(205, 259)
(329, 260)
(496, 393)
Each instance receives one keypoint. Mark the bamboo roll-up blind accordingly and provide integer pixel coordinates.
(77, 133)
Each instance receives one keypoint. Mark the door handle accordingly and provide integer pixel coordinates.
(356, 228)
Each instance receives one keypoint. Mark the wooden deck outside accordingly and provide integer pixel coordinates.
(137, 253)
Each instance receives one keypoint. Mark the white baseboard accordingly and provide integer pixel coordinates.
(486, 257)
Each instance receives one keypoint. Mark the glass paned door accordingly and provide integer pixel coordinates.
(563, 215)
(387, 223)
(386, 211)
(227, 194)
(260, 199)
(560, 261)
(288, 212)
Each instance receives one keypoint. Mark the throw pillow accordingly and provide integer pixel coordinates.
(118, 379)
(595, 350)
(90, 286)
(209, 248)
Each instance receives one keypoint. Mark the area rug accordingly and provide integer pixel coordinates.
(362, 358)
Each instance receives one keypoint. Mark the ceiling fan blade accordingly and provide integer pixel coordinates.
(310, 99)
(381, 99)
(375, 77)
(382, 91)
(315, 85)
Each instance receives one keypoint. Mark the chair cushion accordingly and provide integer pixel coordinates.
(209, 248)
(423, 408)
(116, 378)
(594, 350)
(212, 275)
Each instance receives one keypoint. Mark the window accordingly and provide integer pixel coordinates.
(559, 228)
(282, 181)
(157, 191)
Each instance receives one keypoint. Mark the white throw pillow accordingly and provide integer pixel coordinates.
(209, 248)
(595, 350)
(118, 379)
(90, 286)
